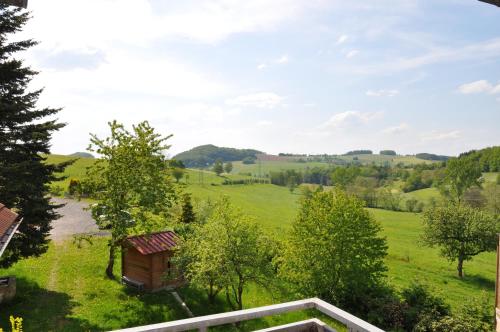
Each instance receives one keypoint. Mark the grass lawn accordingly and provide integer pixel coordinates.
(408, 260)
(66, 290)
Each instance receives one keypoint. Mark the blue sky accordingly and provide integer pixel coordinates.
(280, 76)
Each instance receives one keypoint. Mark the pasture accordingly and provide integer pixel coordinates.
(408, 261)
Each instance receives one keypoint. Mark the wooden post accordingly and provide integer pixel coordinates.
(497, 292)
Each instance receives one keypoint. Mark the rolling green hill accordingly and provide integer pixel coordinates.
(205, 155)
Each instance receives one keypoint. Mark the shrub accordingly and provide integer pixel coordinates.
(74, 187)
(249, 160)
(56, 190)
(411, 205)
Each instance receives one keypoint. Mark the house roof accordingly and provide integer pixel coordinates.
(154, 243)
(8, 226)
(493, 2)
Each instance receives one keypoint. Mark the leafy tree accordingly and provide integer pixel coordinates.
(291, 183)
(461, 174)
(492, 194)
(218, 167)
(226, 254)
(334, 250)
(421, 305)
(343, 176)
(249, 160)
(411, 205)
(228, 167)
(130, 183)
(25, 133)
(461, 232)
(177, 173)
(174, 163)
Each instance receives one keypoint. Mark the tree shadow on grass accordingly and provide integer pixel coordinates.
(151, 308)
(42, 310)
(479, 281)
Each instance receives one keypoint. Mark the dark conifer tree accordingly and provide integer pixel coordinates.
(25, 135)
(187, 216)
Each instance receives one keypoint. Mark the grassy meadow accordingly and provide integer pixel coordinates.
(65, 289)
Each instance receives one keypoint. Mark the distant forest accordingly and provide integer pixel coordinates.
(204, 155)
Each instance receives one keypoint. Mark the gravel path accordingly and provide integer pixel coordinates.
(74, 220)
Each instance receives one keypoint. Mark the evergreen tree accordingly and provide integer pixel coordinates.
(24, 141)
(187, 215)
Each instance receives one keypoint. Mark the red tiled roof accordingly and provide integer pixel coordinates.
(7, 219)
(154, 243)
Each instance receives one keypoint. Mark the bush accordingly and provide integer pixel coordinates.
(420, 305)
(74, 187)
(56, 190)
(411, 205)
(249, 160)
(388, 152)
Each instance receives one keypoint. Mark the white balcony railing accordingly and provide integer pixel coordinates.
(202, 323)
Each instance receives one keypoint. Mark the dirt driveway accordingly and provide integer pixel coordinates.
(74, 220)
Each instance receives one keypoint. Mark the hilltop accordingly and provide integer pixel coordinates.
(204, 155)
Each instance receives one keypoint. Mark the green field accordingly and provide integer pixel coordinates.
(66, 290)
(275, 208)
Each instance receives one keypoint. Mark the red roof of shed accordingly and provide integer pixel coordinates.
(154, 243)
(7, 219)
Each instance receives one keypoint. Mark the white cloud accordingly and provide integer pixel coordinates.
(201, 21)
(283, 59)
(125, 72)
(481, 86)
(259, 100)
(264, 123)
(261, 66)
(342, 39)
(347, 118)
(351, 54)
(476, 52)
(439, 136)
(401, 128)
(382, 93)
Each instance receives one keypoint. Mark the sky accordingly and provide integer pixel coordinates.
(290, 76)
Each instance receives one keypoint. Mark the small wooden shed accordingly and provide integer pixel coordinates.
(146, 261)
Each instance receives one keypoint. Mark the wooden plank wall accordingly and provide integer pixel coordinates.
(137, 266)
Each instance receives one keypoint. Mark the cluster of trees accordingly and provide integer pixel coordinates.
(388, 152)
(430, 156)
(355, 152)
(334, 251)
(219, 167)
(205, 155)
(461, 227)
(488, 159)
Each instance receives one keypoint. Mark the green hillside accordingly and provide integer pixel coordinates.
(205, 155)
